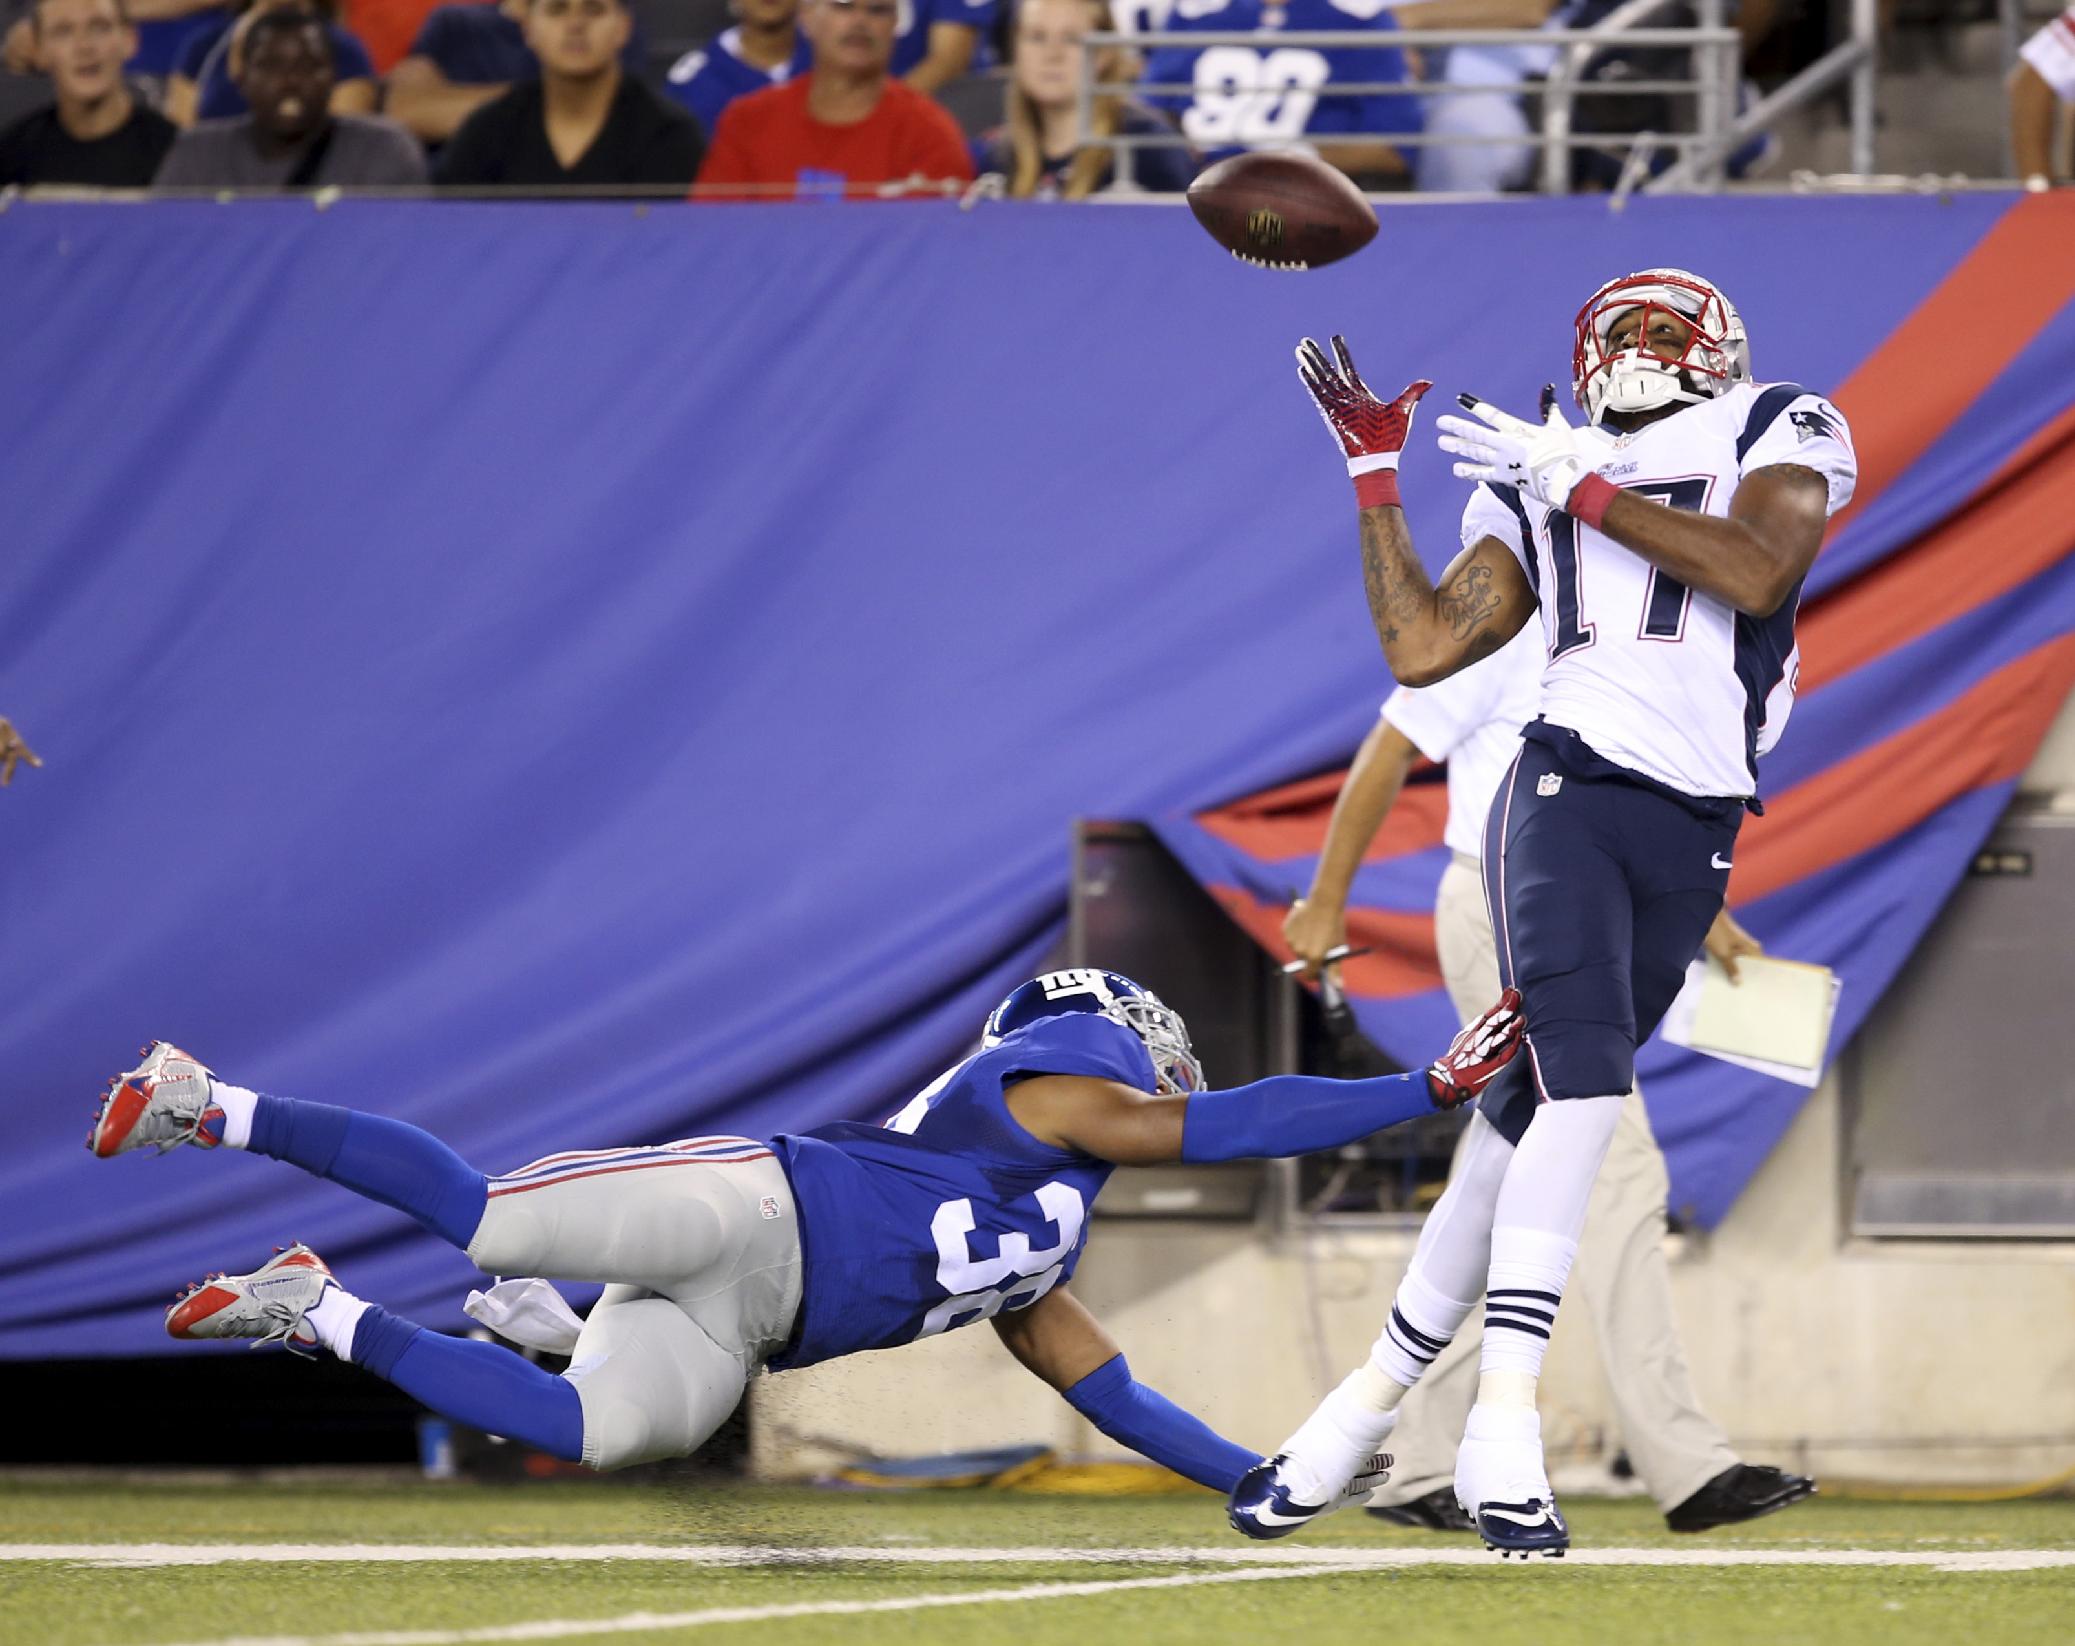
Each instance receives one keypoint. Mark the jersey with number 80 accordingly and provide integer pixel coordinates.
(1271, 91)
(1653, 675)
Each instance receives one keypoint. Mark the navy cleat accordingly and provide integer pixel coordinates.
(1502, 1486)
(1535, 1527)
(1264, 1505)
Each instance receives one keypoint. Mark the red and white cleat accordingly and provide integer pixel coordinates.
(164, 1102)
(268, 1305)
(1475, 1057)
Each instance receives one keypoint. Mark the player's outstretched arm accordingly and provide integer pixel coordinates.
(1286, 1114)
(1063, 1344)
(1484, 597)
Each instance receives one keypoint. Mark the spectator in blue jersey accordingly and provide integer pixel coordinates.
(467, 55)
(764, 48)
(1037, 150)
(726, 1255)
(204, 82)
(938, 40)
(1267, 93)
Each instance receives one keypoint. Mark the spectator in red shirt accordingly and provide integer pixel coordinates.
(846, 127)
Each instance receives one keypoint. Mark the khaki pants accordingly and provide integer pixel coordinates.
(1620, 1276)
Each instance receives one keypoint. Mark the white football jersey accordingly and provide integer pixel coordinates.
(1472, 720)
(1654, 676)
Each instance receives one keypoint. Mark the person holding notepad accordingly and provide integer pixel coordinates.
(1472, 721)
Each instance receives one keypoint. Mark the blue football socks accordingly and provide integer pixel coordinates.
(385, 1160)
(483, 1385)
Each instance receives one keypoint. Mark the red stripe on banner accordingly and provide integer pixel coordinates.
(1273, 834)
(2021, 522)
(1403, 961)
(1986, 736)
(1956, 342)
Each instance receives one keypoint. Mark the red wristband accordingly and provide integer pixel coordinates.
(1377, 489)
(1589, 499)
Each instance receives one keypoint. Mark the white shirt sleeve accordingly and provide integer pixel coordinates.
(2052, 53)
(1496, 512)
(1438, 717)
(1807, 432)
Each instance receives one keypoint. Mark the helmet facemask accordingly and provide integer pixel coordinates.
(1130, 1005)
(1160, 1026)
(1717, 354)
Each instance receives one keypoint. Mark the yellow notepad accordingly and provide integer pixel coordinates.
(1778, 1011)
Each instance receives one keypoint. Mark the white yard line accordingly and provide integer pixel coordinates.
(649, 1622)
(1267, 1560)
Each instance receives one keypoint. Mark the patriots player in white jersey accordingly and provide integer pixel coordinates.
(722, 1256)
(1664, 544)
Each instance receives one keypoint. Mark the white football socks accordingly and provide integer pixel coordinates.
(1332, 1444)
(333, 1318)
(237, 1105)
(1534, 1237)
(1449, 1265)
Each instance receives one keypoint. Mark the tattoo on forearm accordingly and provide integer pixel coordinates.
(1391, 577)
(1469, 601)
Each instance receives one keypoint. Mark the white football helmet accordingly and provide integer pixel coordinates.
(1717, 355)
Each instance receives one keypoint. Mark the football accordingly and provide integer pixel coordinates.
(1282, 209)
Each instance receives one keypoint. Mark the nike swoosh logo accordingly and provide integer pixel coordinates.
(1718, 861)
(1538, 1519)
(1274, 1517)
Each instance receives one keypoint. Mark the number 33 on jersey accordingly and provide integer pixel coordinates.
(1655, 676)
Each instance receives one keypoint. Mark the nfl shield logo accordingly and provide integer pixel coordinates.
(1549, 783)
(768, 1206)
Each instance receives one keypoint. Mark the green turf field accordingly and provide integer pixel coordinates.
(659, 1564)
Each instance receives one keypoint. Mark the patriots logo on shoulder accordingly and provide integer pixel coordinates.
(1815, 422)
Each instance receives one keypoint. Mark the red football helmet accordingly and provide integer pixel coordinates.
(1717, 355)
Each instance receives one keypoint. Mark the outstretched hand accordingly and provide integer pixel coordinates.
(1476, 1055)
(1366, 428)
(1544, 460)
(13, 751)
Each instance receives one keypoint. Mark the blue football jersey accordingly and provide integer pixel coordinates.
(951, 1211)
(709, 79)
(911, 43)
(1268, 92)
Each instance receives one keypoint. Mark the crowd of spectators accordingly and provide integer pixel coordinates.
(814, 99)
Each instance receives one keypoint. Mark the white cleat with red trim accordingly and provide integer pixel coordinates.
(268, 1305)
(164, 1102)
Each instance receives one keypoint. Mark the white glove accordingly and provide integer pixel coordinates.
(529, 1312)
(1544, 460)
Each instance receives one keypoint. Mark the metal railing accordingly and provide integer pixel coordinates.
(1709, 87)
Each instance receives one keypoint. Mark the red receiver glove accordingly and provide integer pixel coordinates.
(1371, 432)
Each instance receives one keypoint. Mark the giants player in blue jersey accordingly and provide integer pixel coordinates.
(1665, 545)
(725, 1255)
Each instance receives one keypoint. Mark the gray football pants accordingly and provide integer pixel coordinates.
(702, 1262)
(1620, 1274)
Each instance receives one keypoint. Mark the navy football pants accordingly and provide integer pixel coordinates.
(1601, 893)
